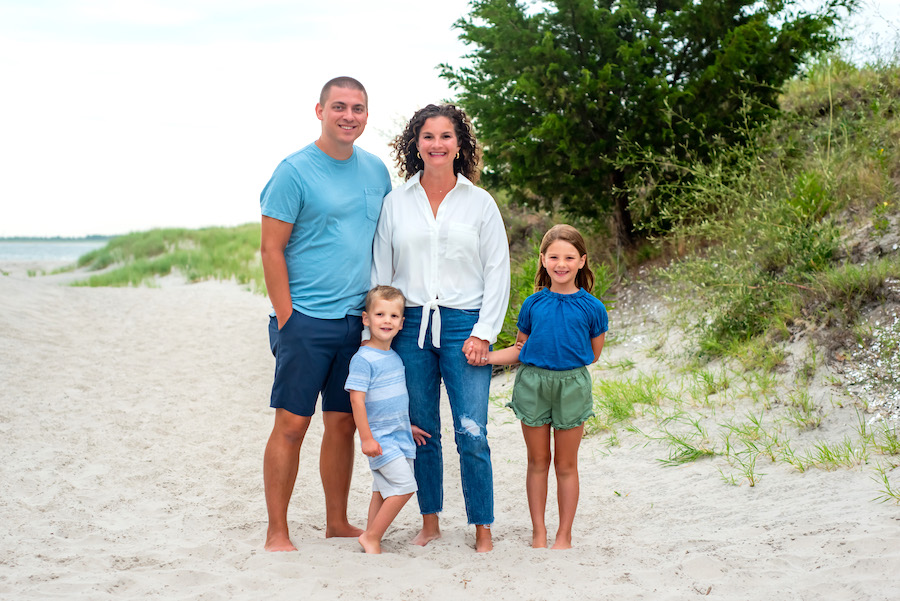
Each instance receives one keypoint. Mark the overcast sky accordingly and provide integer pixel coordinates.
(125, 115)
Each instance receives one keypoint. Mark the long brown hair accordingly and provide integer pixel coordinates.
(585, 277)
(406, 153)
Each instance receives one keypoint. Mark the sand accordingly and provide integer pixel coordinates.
(132, 427)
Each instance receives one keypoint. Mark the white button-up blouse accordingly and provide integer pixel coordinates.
(458, 259)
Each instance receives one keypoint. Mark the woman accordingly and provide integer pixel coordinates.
(441, 240)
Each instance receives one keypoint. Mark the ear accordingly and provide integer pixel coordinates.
(402, 319)
(544, 265)
(319, 111)
(583, 261)
(365, 319)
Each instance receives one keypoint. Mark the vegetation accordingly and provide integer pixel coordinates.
(571, 97)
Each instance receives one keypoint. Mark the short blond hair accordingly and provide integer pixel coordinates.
(388, 293)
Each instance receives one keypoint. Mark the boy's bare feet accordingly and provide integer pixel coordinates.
(279, 542)
(369, 545)
(483, 541)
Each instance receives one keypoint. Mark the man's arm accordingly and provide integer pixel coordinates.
(274, 238)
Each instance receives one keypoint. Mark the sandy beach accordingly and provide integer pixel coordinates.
(132, 428)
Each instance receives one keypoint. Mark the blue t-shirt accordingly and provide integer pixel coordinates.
(334, 207)
(381, 375)
(560, 328)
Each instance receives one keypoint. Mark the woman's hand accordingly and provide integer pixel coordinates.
(476, 351)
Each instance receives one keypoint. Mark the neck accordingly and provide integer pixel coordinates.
(564, 289)
(438, 181)
(380, 345)
(340, 152)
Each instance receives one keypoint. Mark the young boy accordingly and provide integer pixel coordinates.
(377, 387)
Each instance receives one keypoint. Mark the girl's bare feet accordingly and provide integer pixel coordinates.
(539, 538)
(369, 545)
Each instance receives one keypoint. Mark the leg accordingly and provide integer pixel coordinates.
(537, 444)
(423, 381)
(280, 465)
(336, 469)
(370, 540)
(374, 506)
(468, 389)
(565, 460)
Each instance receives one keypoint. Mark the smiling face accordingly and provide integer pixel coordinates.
(343, 115)
(562, 262)
(384, 319)
(437, 143)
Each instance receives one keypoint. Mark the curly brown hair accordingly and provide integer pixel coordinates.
(406, 152)
(566, 233)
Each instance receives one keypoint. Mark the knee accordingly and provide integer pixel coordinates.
(539, 462)
(339, 424)
(565, 467)
(471, 431)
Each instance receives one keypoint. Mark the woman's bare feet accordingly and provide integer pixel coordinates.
(483, 541)
(431, 530)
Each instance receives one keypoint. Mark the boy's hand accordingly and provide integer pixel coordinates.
(419, 435)
(371, 448)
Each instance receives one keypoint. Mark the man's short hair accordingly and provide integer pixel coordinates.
(388, 293)
(342, 82)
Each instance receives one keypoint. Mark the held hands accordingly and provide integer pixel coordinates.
(476, 351)
(370, 448)
(419, 435)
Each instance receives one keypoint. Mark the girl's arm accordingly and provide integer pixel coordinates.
(508, 356)
(597, 345)
(369, 445)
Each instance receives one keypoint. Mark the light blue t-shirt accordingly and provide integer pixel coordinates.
(381, 375)
(560, 328)
(334, 207)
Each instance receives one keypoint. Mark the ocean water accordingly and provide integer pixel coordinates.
(45, 250)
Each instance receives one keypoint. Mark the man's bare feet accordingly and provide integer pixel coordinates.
(279, 542)
(369, 545)
(539, 538)
(345, 530)
(483, 541)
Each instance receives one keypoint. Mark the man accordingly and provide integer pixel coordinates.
(319, 212)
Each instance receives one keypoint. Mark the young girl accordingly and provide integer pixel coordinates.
(561, 330)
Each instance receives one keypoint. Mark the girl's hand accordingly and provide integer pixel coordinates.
(476, 351)
(419, 435)
(371, 448)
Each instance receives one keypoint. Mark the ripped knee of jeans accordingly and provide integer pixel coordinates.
(471, 427)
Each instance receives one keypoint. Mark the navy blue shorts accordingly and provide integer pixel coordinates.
(312, 356)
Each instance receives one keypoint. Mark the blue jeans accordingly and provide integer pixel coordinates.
(468, 388)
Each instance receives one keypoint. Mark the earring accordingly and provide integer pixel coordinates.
(418, 155)
(457, 154)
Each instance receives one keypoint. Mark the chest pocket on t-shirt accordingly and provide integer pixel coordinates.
(374, 198)
(462, 242)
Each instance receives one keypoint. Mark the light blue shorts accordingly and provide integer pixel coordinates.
(394, 478)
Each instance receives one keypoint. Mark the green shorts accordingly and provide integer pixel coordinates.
(560, 398)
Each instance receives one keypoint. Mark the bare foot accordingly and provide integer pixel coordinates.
(279, 542)
(425, 536)
(483, 541)
(563, 541)
(344, 530)
(539, 539)
(369, 545)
